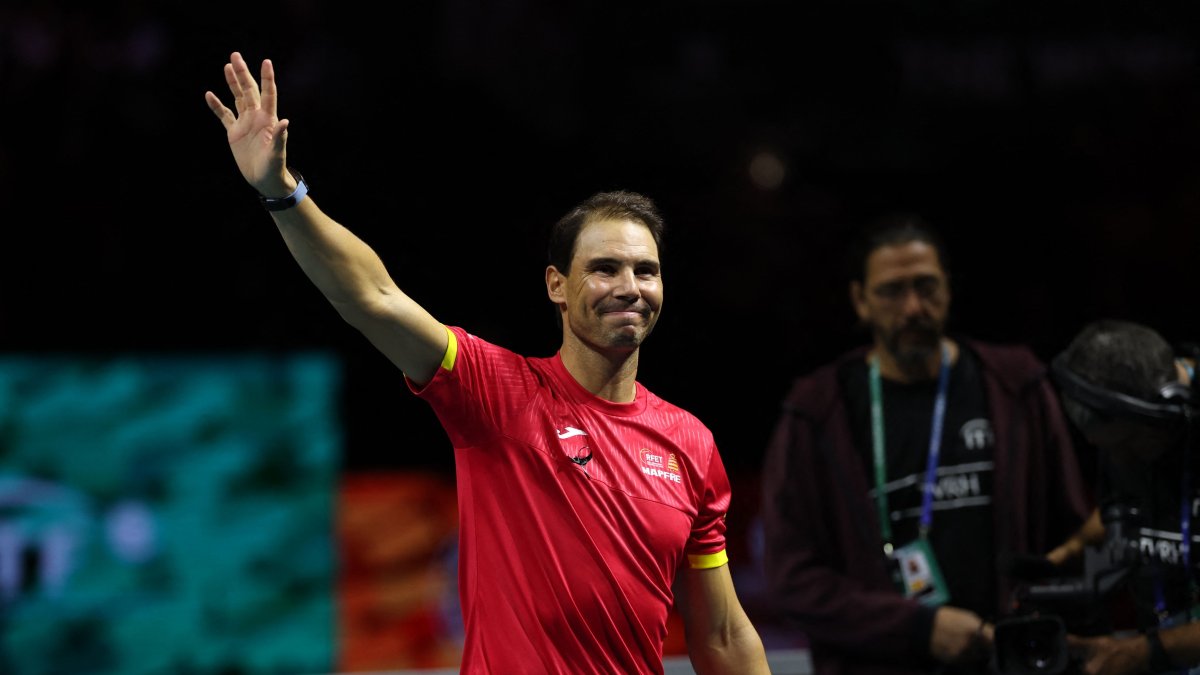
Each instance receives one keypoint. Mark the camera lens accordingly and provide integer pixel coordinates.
(1038, 653)
(1031, 644)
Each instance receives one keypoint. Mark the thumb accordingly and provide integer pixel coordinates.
(279, 135)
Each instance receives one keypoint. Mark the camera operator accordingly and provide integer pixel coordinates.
(1129, 393)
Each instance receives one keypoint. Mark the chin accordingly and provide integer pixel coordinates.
(626, 339)
(916, 350)
(916, 356)
(625, 342)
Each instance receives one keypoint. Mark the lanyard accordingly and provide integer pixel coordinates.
(935, 448)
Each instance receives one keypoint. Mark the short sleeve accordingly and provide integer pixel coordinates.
(476, 384)
(706, 545)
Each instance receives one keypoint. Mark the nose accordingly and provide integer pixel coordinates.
(625, 286)
(911, 304)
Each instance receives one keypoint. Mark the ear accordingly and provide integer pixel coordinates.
(556, 285)
(858, 299)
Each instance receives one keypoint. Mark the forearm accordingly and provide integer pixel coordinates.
(345, 269)
(720, 637)
(1091, 532)
(739, 652)
(356, 283)
(1108, 655)
(836, 609)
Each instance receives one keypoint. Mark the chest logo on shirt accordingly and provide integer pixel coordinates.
(569, 432)
(656, 465)
(580, 453)
(1163, 546)
(977, 434)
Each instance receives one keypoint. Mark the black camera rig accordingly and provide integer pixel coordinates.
(1033, 638)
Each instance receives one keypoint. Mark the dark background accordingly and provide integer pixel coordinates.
(1055, 146)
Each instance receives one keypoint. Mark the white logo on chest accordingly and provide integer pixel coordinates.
(569, 432)
(654, 464)
(977, 434)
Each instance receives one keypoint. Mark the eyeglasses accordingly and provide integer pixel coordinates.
(926, 287)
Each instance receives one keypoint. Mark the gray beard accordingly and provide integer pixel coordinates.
(914, 362)
(914, 359)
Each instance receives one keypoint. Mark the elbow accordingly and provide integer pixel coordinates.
(364, 309)
(353, 314)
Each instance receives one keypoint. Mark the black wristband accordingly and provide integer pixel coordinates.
(1160, 661)
(282, 203)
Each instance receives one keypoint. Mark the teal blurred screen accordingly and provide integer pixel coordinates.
(168, 514)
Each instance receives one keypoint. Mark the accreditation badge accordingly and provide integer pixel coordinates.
(920, 577)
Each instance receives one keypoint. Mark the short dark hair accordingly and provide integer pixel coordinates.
(615, 205)
(893, 229)
(1121, 356)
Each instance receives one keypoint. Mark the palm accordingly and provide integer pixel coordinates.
(256, 135)
(252, 144)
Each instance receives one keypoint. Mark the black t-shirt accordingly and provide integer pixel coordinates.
(1156, 491)
(961, 528)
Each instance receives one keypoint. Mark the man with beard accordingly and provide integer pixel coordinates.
(901, 473)
(588, 505)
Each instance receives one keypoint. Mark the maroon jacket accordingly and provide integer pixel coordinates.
(823, 558)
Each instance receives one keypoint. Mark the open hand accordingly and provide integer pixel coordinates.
(257, 137)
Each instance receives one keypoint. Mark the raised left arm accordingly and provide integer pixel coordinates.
(720, 638)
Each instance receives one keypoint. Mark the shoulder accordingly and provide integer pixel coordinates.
(689, 439)
(818, 391)
(469, 340)
(1014, 365)
(465, 341)
(469, 352)
(673, 415)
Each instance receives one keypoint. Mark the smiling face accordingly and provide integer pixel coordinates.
(904, 298)
(612, 295)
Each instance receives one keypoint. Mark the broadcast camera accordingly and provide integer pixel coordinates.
(1033, 639)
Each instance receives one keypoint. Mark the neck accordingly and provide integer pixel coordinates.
(611, 375)
(927, 369)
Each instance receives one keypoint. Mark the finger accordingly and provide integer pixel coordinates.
(231, 81)
(245, 83)
(224, 114)
(270, 95)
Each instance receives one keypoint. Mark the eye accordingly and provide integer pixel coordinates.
(891, 290)
(646, 271)
(928, 286)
